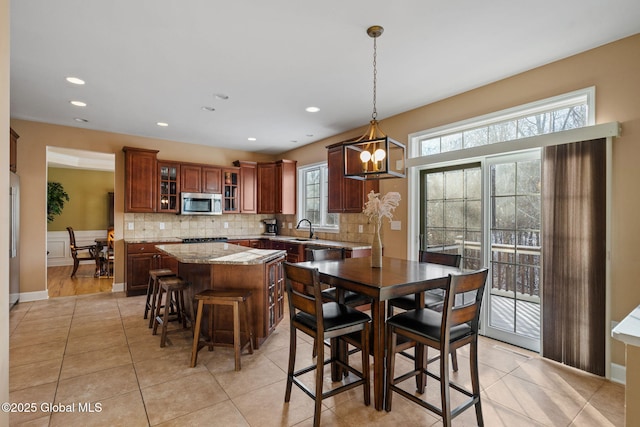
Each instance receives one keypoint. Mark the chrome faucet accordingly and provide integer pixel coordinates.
(310, 226)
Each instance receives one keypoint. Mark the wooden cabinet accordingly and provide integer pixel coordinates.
(168, 187)
(277, 187)
(231, 192)
(248, 186)
(200, 178)
(140, 174)
(140, 258)
(13, 150)
(295, 251)
(275, 291)
(346, 195)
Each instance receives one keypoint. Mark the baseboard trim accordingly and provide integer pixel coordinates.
(618, 373)
(33, 296)
(117, 287)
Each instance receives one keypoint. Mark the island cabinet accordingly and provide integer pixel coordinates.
(200, 178)
(140, 177)
(346, 195)
(140, 258)
(295, 251)
(277, 187)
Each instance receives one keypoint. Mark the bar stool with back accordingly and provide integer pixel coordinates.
(454, 327)
(320, 320)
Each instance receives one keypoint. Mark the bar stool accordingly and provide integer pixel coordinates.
(152, 291)
(236, 298)
(173, 289)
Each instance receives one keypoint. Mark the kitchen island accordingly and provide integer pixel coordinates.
(229, 266)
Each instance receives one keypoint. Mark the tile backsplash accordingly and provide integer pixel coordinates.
(158, 226)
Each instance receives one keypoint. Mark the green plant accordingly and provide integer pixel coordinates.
(56, 197)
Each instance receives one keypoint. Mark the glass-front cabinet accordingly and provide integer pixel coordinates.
(231, 194)
(169, 186)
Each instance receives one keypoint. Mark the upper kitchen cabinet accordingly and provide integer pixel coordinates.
(13, 150)
(277, 187)
(248, 186)
(169, 187)
(231, 192)
(346, 195)
(140, 173)
(200, 178)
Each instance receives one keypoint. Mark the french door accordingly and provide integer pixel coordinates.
(489, 212)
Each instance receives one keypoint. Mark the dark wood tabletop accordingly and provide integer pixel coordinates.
(395, 278)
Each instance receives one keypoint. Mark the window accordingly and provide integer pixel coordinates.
(570, 111)
(313, 197)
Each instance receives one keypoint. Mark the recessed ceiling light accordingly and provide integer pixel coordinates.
(80, 120)
(206, 108)
(75, 80)
(221, 96)
(294, 141)
(312, 109)
(78, 103)
(251, 139)
(163, 124)
(309, 135)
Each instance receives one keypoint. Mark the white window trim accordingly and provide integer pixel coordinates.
(300, 208)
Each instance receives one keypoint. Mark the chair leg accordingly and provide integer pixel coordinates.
(420, 363)
(292, 362)
(454, 360)
(236, 335)
(76, 263)
(319, 379)
(156, 316)
(196, 335)
(444, 388)
(248, 324)
(364, 343)
(475, 381)
(165, 319)
(391, 356)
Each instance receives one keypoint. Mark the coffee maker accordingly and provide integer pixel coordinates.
(271, 227)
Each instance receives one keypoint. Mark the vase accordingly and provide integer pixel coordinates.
(376, 247)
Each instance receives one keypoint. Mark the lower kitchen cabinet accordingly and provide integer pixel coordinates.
(140, 258)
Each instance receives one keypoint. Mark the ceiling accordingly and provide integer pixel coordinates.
(150, 61)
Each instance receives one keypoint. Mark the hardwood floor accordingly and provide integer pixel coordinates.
(61, 284)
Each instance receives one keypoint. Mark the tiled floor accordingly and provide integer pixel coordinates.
(97, 349)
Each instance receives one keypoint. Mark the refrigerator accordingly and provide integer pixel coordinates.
(14, 244)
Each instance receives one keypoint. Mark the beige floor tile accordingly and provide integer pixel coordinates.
(97, 386)
(34, 374)
(80, 344)
(265, 407)
(222, 414)
(541, 404)
(592, 417)
(48, 311)
(38, 422)
(38, 395)
(558, 377)
(52, 322)
(609, 398)
(122, 410)
(495, 415)
(327, 418)
(256, 372)
(148, 347)
(24, 336)
(182, 396)
(35, 353)
(95, 326)
(166, 368)
(280, 356)
(93, 361)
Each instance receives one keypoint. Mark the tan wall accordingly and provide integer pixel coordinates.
(32, 168)
(4, 214)
(88, 205)
(614, 70)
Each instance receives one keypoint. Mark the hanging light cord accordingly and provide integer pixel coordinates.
(374, 114)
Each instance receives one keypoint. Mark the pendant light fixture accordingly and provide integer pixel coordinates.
(374, 155)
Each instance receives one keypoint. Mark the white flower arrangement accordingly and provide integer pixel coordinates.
(377, 208)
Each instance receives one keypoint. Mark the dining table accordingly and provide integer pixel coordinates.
(397, 277)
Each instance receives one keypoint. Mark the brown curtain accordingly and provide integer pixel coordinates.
(574, 251)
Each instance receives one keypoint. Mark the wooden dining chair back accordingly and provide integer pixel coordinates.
(323, 254)
(352, 299)
(442, 258)
(81, 253)
(310, 315)
(454, 327)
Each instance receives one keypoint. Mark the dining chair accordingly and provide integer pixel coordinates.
(81, 253)
(352, 299)
(109, 254)
(452, 328)
(434, 298)
(331, 320)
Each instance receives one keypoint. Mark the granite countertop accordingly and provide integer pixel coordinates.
(287, 239)
(219, 253)
(628, 330)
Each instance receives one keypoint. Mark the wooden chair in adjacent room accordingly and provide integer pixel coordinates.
(108, 256)
(320, 320)
(82, 253)
(454, 327)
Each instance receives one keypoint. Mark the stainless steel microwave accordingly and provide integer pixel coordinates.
(200, 204)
